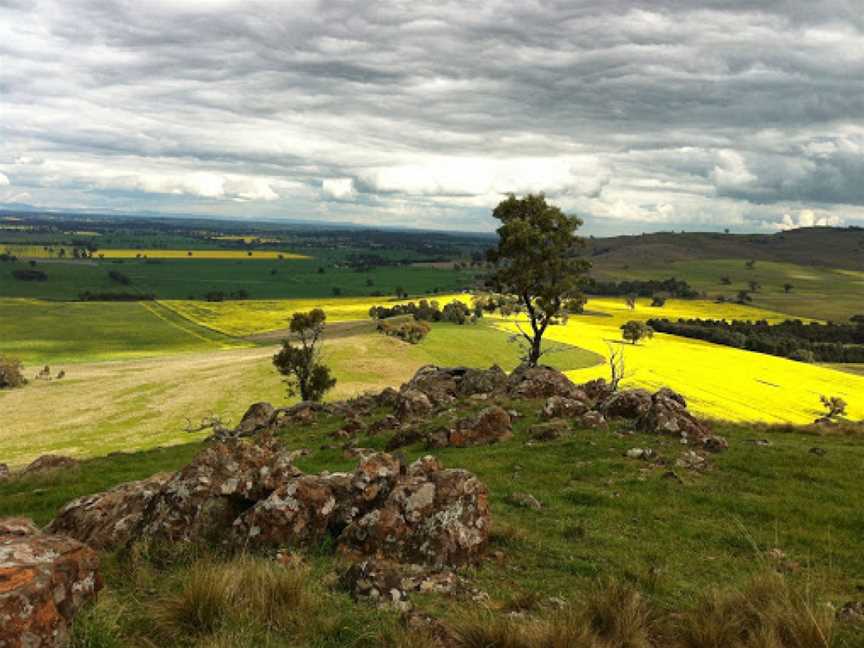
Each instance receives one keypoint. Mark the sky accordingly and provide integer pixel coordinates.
(636, 116)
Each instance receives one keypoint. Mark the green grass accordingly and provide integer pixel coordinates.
(194, 278)
(40, 332)
(604, 516)
(818, 292)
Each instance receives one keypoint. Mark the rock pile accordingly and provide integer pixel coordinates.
(252, 496)
(44, 581)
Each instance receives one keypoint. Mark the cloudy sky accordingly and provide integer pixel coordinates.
(636, 115)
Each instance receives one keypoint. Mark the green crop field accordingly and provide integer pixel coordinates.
(42, 332)
(195, 278)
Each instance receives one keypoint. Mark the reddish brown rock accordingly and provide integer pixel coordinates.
(565, 407)
(106, 520)
(18, 526)
(490, 425)
(628, 404)
(44, 581)
(439, 385)
(48, 463)
(203, 499)
(541, 382)
(432, 516)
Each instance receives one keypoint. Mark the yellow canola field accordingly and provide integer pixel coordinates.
(198, 254)
(718, 381)
(249, 317)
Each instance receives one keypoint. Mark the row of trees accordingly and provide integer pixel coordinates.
(791, 339)
(455, 311)
(641, 288)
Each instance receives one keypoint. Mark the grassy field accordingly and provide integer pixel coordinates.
(817, 292)
(101, 407)
(719, 381)
(156, 253)
(193, 278)
(604, 518)
(43, 332)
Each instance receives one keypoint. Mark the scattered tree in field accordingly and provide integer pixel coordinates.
(337, 291)
(189, 253)
(725, 280)
(750, 264)
(11, 373)
(787, 288)
(400, 293)
(321, 270)
(658, 300)
(630, 301)
(743, 297)
(576, 305)
(300, 363)
(834, 407)
(536, 260)
(370, 282)
(754, 285)
(634, 331)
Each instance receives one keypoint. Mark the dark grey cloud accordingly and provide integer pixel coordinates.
(714, 113)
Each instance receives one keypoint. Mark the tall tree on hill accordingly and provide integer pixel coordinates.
(301, 363)
(537, 261)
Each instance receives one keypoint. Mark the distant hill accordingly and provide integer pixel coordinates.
(813, 246)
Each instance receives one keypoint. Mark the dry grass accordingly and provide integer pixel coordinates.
(244, 591)
(768, 613)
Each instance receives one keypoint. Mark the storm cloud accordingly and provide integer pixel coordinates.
(634, 115)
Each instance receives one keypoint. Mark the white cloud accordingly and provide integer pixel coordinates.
(338, 188)
(808, 218)
(4, 181)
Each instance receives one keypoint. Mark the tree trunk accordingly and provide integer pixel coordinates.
(534, 353)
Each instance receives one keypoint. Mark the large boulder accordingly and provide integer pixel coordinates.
(541, 382)
(258, 417)
(106, 520)
(597, 390)
(433, 516)
(439, 385)
(627, 404)
(482, 381)
(203, 499)
(490, 425)
(44, 581)
(412, 403)
(565, 407)
(668, 415)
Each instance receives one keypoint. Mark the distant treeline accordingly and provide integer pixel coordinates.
(115, 296)
(647, 288)
(810, 342)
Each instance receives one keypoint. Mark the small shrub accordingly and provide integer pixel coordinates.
(410, 331)
(834, 406)
(11, 373)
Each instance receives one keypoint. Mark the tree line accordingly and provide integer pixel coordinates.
(806, 342)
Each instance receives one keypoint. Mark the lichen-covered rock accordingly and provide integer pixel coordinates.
(541, 382)
(490, 425)
(432, 516)
(565, 407)
(203, 499)
(298, 512)
(412, 403)
(482, 381)
(18, 526)
(44, 581)
(439, 385)
(668, 415)
(106, 520)
(592, 419)
(258, 417)
(628, 404)
(390, 583)
(597, 390)
(48, 463)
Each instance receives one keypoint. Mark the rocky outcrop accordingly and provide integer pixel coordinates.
(249, 495)
(18, 526)
(391, 583)
(668, 415)
(628, 404)
(433, 516)
(258, 417)
(48, 463)
(490, 425)
(441, 386)
(203, 499)
(412, 403)
(541, 382)
(107, 519)
(44, 581)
